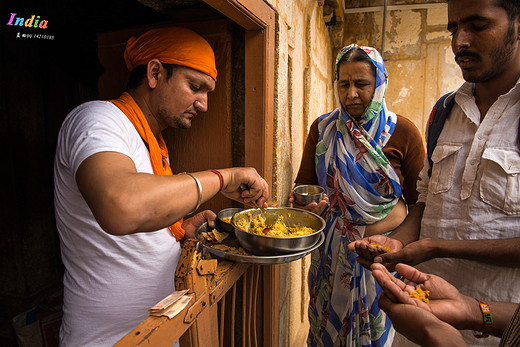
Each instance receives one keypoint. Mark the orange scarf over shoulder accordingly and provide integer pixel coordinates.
(156, 146)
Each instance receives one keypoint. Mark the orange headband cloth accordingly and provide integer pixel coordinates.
(171, 45)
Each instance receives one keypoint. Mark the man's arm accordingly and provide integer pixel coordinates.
(410, 228)
(124, 201)
(502, 252)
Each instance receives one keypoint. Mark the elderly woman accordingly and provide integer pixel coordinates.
(367, 159)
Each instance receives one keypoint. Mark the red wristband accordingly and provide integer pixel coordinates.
(220, 178)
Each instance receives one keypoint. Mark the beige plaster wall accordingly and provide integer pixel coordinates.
(303, 91)
(417, 55)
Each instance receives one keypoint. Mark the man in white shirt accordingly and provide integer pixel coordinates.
(465, 227)
(119, 208)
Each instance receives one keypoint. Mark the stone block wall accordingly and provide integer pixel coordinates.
(303, 91)
(417, 53)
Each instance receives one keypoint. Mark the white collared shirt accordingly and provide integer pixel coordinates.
(474, 192)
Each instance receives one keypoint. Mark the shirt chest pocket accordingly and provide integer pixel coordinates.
(444, 158)
(500, 182)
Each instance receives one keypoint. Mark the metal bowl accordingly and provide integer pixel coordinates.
(305, 194)
(227, 213)
(272, 245)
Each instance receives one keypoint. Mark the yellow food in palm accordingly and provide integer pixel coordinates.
(420, 294)
(385, 247)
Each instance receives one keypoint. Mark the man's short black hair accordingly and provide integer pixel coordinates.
(512, 7)
(138, 75)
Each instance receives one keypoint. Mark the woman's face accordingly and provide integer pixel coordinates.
(356, 85)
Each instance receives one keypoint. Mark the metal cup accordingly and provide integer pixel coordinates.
(305, 194)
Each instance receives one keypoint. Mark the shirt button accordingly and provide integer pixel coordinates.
(473, 161)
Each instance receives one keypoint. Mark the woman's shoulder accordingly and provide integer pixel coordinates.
(405, 127)
(406, 124)
(405, 134)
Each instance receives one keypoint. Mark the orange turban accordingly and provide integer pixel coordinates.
(171, 45)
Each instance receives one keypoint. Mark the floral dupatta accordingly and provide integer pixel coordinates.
(363, 187)
(351, 158)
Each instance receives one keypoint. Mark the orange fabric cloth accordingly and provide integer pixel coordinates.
(156, 146)
(171, 45)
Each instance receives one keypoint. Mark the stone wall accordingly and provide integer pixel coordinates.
(416, 51)
(303, 91)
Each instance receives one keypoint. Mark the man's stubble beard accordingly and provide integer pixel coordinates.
(178, 122)
(182, 123)
(501, 57)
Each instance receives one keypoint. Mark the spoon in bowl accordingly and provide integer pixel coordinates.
(243, 187)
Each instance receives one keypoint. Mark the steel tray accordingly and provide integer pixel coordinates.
(232, 241)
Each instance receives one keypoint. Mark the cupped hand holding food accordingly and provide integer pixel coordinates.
(191, 224)
(445, 301)
(370, 249)
(412, 254)
(420, 326)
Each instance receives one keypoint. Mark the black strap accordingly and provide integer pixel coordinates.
(438, 116)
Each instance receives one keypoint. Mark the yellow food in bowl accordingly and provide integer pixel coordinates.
(277, 229)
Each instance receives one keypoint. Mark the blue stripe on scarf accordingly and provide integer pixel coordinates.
(369, 199)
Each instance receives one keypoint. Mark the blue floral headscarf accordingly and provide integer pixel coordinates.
(351, 165)
(363, 187)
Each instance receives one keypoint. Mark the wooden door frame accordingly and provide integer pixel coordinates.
(258, 19)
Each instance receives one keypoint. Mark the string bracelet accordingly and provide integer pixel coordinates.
(199, 191)
(220, 178)
(488, 320)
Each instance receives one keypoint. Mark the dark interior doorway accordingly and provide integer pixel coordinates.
(45, 72)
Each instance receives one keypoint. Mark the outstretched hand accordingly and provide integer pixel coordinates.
(445, 301)
(389, 251)
(371, 248)
(423, 323)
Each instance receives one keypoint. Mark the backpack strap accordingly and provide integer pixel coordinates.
(438, 116)
(518, 140)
